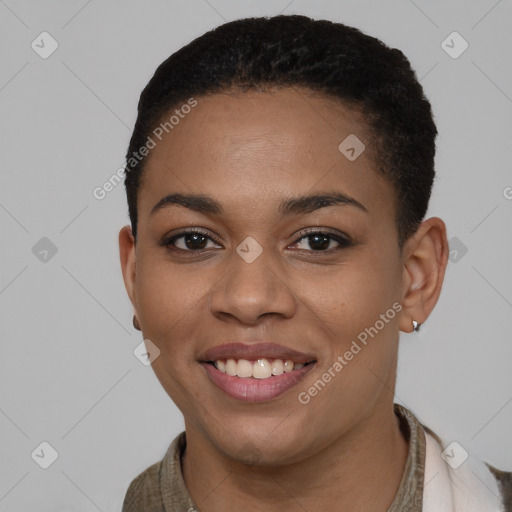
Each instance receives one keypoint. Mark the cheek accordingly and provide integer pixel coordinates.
(171, 300)
(356, 307)
(350, 297)
(167, 290)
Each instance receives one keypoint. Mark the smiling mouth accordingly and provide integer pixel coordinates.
(262, 368)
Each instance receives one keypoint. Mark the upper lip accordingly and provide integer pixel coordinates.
(265, 350)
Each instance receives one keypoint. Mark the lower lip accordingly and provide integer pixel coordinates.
(256, 390)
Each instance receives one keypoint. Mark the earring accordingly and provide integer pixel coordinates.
(136, 323)
(416, 326)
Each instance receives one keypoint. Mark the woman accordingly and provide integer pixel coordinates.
(277, 179)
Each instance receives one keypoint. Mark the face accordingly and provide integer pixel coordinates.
(262, 266)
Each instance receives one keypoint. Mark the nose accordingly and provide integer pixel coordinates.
(252, 289)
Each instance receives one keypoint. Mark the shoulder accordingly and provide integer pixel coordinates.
(161, 484)
(504, 479)
(477, 478)
(143, 494)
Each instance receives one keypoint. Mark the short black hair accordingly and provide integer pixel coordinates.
(331, 58)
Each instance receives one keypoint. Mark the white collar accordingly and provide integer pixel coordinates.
(469, 488)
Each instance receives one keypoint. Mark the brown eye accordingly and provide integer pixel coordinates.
(190, 241)
(321, 241)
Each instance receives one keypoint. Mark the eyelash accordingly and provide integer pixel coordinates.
(344, 241)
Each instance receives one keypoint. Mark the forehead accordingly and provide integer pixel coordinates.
(254, 148)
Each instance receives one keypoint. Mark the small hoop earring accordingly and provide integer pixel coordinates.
(416, 326)
(136, 323)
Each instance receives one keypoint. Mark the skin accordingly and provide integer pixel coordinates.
(249, 151)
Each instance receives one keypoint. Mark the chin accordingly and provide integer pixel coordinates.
(262, 448)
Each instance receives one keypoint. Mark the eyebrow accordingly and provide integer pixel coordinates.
(293, 206)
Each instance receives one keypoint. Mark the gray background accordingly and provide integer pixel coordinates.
(68, 375)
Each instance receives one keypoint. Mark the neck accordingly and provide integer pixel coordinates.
(361, 470)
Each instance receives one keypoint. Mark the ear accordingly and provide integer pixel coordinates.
(127, 256)
(425, 257)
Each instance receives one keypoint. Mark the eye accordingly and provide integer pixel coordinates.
(197, 240)
(320, 241)
(189, 241)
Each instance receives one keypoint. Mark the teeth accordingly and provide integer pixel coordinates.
(231, 367)
(277, 367)
(244, 368)
(260, 369)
